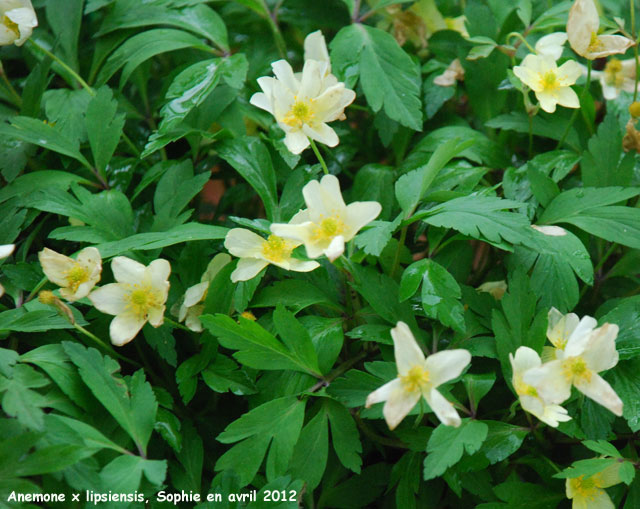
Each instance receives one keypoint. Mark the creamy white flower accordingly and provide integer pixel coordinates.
(551, 45)
(587, 493)
(617, 76)
(5, 250)
(497, 289)
(582, 30)
(551, 231)
(550, 83)
(138, 297)
(524, 360)
(76, 278)
(17, 21)
(304, 103)
(256, 252)
(418, 378)
(581, 352)
(191, 307)
(453, 73)
(327, 222)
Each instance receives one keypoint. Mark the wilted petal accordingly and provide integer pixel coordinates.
(582, 23)
(610, 45)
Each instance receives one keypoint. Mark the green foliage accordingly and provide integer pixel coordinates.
(149, 130)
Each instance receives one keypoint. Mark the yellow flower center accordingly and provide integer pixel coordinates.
(141, 299)
(11, 25)
(276, 249)
(47, 297)
(523, 389)
(576, 367)
(613, 75)
(329, 228)
(550, 81)
(595, 43)
(415, 379)
(585, 488)
(248, 315)
(75, 276)
(300, 113)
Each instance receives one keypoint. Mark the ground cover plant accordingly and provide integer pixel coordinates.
(336, 254)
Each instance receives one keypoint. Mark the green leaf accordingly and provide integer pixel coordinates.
(412, 187)
(155, 240)
(191, 87)
(200, 19)
(375, 238)
(142, 47)
(602, 447)
(482, 217)
(502, 440)
(257, 347)
(249, 157)
(447, 445)
(44, 135)
(279, 421)
(223, 375)
(65, 17)
(518, 324)
(104, 127)
(627, 316)
(388, 76)
(590, 209)
(310, 454)
(478, 385)
(124, 473)
(20, 401)
(372, 183)
(603, 165)
(295, 337)
(626, 382)
(344, 436)
(37, 180)
(132, 405)
(295, 294)
(441, 296)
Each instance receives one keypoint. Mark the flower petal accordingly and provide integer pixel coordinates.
(322, 133)
(6, 250)
(551, 45)
(126, 270)
(601, 353)
(359, 214)
(283, 71)
(124, 328)
(155, 315)
(583, 21)
(296, 141)
(599, 390)
(398, 405)
(568, 98)
(547, 101)
(110, 299)
(195, 294)
(302, 265)
(406, 350)
(315, 47)
(610, 45)
(443, 408)
(55, 266)
(384, 392)
(244, 243)
(335, 248)
(247, 268)
(550, 382)
(446, 365)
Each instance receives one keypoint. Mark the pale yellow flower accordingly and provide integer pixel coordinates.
(256, 252)
(76, 278)
(581, 352)
(17, 21)
(531, 401)
(617, 76)
(192, 305)
(418, 377)
(138, 297)
(551, 45)
(5, 250)
(588, 493)
(303, 103)
(550, 83)
(327, 222)
(582, 30)
(497, 289)
(551, 231)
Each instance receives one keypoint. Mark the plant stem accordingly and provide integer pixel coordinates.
(521, 37)
(176, 325)
(319, 156)
(396, 257)
(345, 366)
(575, 112)
(635, 48)
(57, 59)
(530, 134)
(104, 346)
(12, 91)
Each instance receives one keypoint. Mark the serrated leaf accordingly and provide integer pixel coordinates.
(310, 454)
(389, 77)
(249, 157)
(447, 445)
(133, 406)
(344, 436)
(295, 336)
(104, 126)
(142, 47)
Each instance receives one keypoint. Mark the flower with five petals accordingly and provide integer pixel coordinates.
(76, 278)
(17, 21)
(137, 297)
(418, 377)
(327, 222)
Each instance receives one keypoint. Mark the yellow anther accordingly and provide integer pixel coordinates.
(276, 249)
(415, 379)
